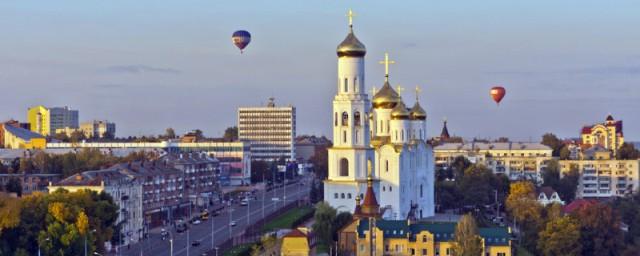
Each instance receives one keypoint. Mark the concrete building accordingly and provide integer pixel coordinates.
(307, 146)
(270, 130)
(31, 182)
(46, 121)
(13, 123)
(378, 139)
(124, 186)
(604, 176)
(517, 160)
(98, 129)
(607, 134)
(19, 138)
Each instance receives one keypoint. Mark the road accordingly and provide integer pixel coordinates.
(154, 245)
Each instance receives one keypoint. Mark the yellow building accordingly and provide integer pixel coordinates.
(19, 138)
(296, 243)
(40, 119)
(402, 237)
(608, 134)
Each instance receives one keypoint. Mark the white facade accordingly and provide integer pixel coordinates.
(271, 131)
(401, 167)
(605, 177)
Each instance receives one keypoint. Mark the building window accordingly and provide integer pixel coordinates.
(335, 122)
(424, 238)
(355, 84)
(402, 132)
(356, 137)
(345, 119)
(424, 251)
(386, 165)
(384, 188)
(346, 85)
(356, 119)
(420, 190)
(342, 195)
(349, 196)
(335, 195)
(502, 254)
(344, 167)
(390, 188)
(413, 251)
(344, 136)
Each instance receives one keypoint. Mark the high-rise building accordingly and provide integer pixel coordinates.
(270, 130)
(98, 129)
(46, 121)
(378, 141)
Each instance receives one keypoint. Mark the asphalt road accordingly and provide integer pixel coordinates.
(154, 245)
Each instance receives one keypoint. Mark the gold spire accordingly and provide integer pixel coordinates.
(399, 88)
(350, 14)
(373, 91)
(386, 63)
(418, 91)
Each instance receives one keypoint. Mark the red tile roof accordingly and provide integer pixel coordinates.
(577, 204)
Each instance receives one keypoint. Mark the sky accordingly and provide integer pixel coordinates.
(151, 64)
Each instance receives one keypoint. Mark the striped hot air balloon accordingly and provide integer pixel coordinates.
(241, 39)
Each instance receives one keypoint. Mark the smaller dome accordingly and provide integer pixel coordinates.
(351, 47)
(400, 112)
(418, 113)
(386, 97)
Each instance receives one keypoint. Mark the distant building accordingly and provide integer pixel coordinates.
(32, 182)
(124, 186)
(19, 138)
(517, 160)
(608, 134)
(98, 129)
(603, 176)
(13, 123)
(46, 121)
(547, 195)
(307, 146)
(270, 130)
(296, 243)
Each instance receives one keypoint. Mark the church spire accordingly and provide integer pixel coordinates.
(386, 63)
(444, 135)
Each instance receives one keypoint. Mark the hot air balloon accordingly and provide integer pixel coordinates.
(497, 93)
(241, 39)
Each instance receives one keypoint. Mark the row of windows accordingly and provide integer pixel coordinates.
(345, 119)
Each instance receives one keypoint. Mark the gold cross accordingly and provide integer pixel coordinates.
(350, 14)
(399, 89)
(386, 63)
(418, 90)
(373, 91)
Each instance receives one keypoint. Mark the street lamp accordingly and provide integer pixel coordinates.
(85, 242)
(170, 242)
(47, 239)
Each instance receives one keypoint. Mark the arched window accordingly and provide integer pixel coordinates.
(335, 119)
(355, 84)
(335, 195)
(420, 190)
(345, 119)
(344, 136)
(344, 167)
(346, 85)
(402, 132)
(383, 188)
(356, 137)
(424, 238)
(386, 165)
(390, 188)
(356, 119)
(342, 195)
(349, 196)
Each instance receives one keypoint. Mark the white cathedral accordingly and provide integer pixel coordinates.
(379, 137)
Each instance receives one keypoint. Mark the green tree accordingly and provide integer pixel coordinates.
(341, 220)
(231, 133)
(551, 174)
(260, 169)
(475, 185)
(169, 133)
(600, 230)
(323, 226)
(565, 153)
(14, 186)
(568, 184)
(627, 152)
(553, 142)
(523, 206)
(467, 240)
(319, 161)
(26, 166)
(561, 236)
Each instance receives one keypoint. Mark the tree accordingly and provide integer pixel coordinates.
(553, 142)
(459, 165)
(475, 185)
(3, 169)
(568, 184)
(169, 133)
(339, 222)
(259, 169)
(231, 133)
(10, 209)
(627, 152)
(523, 206)
(26, 166)
(551, 174)
(77, 136)
(467, 240)
(565, 153)
(14, 186)
(561, 236)
(323, 225)
(600, 230)
(319, 161)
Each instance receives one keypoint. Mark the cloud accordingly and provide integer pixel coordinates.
(139, 69)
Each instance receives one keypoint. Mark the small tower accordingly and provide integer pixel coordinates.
(444, 135)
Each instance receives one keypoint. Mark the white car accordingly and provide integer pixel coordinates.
(196, 222)
(275, 199)
(233, 223)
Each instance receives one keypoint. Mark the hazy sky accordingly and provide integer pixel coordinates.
(149, 65)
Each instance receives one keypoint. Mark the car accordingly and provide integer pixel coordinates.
(196, 222)
(195, 243)
(244, 203)
(164, 234)
(233, 223)
(275, 199)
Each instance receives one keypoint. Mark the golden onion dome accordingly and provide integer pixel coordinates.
(351, 47)
(400, 112)
(386, 97)
(418, 113)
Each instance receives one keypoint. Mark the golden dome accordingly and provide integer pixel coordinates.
(417, 113)
(386, 97)
(400, 112)
(351, 47)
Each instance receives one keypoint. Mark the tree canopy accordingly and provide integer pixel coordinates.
(467, 240)
(561, 236)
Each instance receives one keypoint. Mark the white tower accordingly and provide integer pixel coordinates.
(351, 154)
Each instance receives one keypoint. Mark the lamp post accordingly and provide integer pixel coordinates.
(85, 242)
(170, 242)
(47, 239)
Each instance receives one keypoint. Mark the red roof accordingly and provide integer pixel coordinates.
(577, 204)
(370, 198)
(296, 233)
(586, 130)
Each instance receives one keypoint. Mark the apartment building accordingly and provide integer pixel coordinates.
(271, 131)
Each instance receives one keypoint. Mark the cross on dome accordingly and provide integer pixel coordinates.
(399, 89)
(386, 63)
(418, 91)
(350, 15)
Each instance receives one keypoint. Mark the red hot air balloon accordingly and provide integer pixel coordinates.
(497, 93)
(241, 39)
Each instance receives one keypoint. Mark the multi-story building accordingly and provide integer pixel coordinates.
(517, 160)
(30, 182)
(307, 146)
(124, 186)
(13, 123)
(46, 121)
(98, 129)
(234, 157)
(603, 176)
(270, 130)
(608, 134)
(19, 138)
